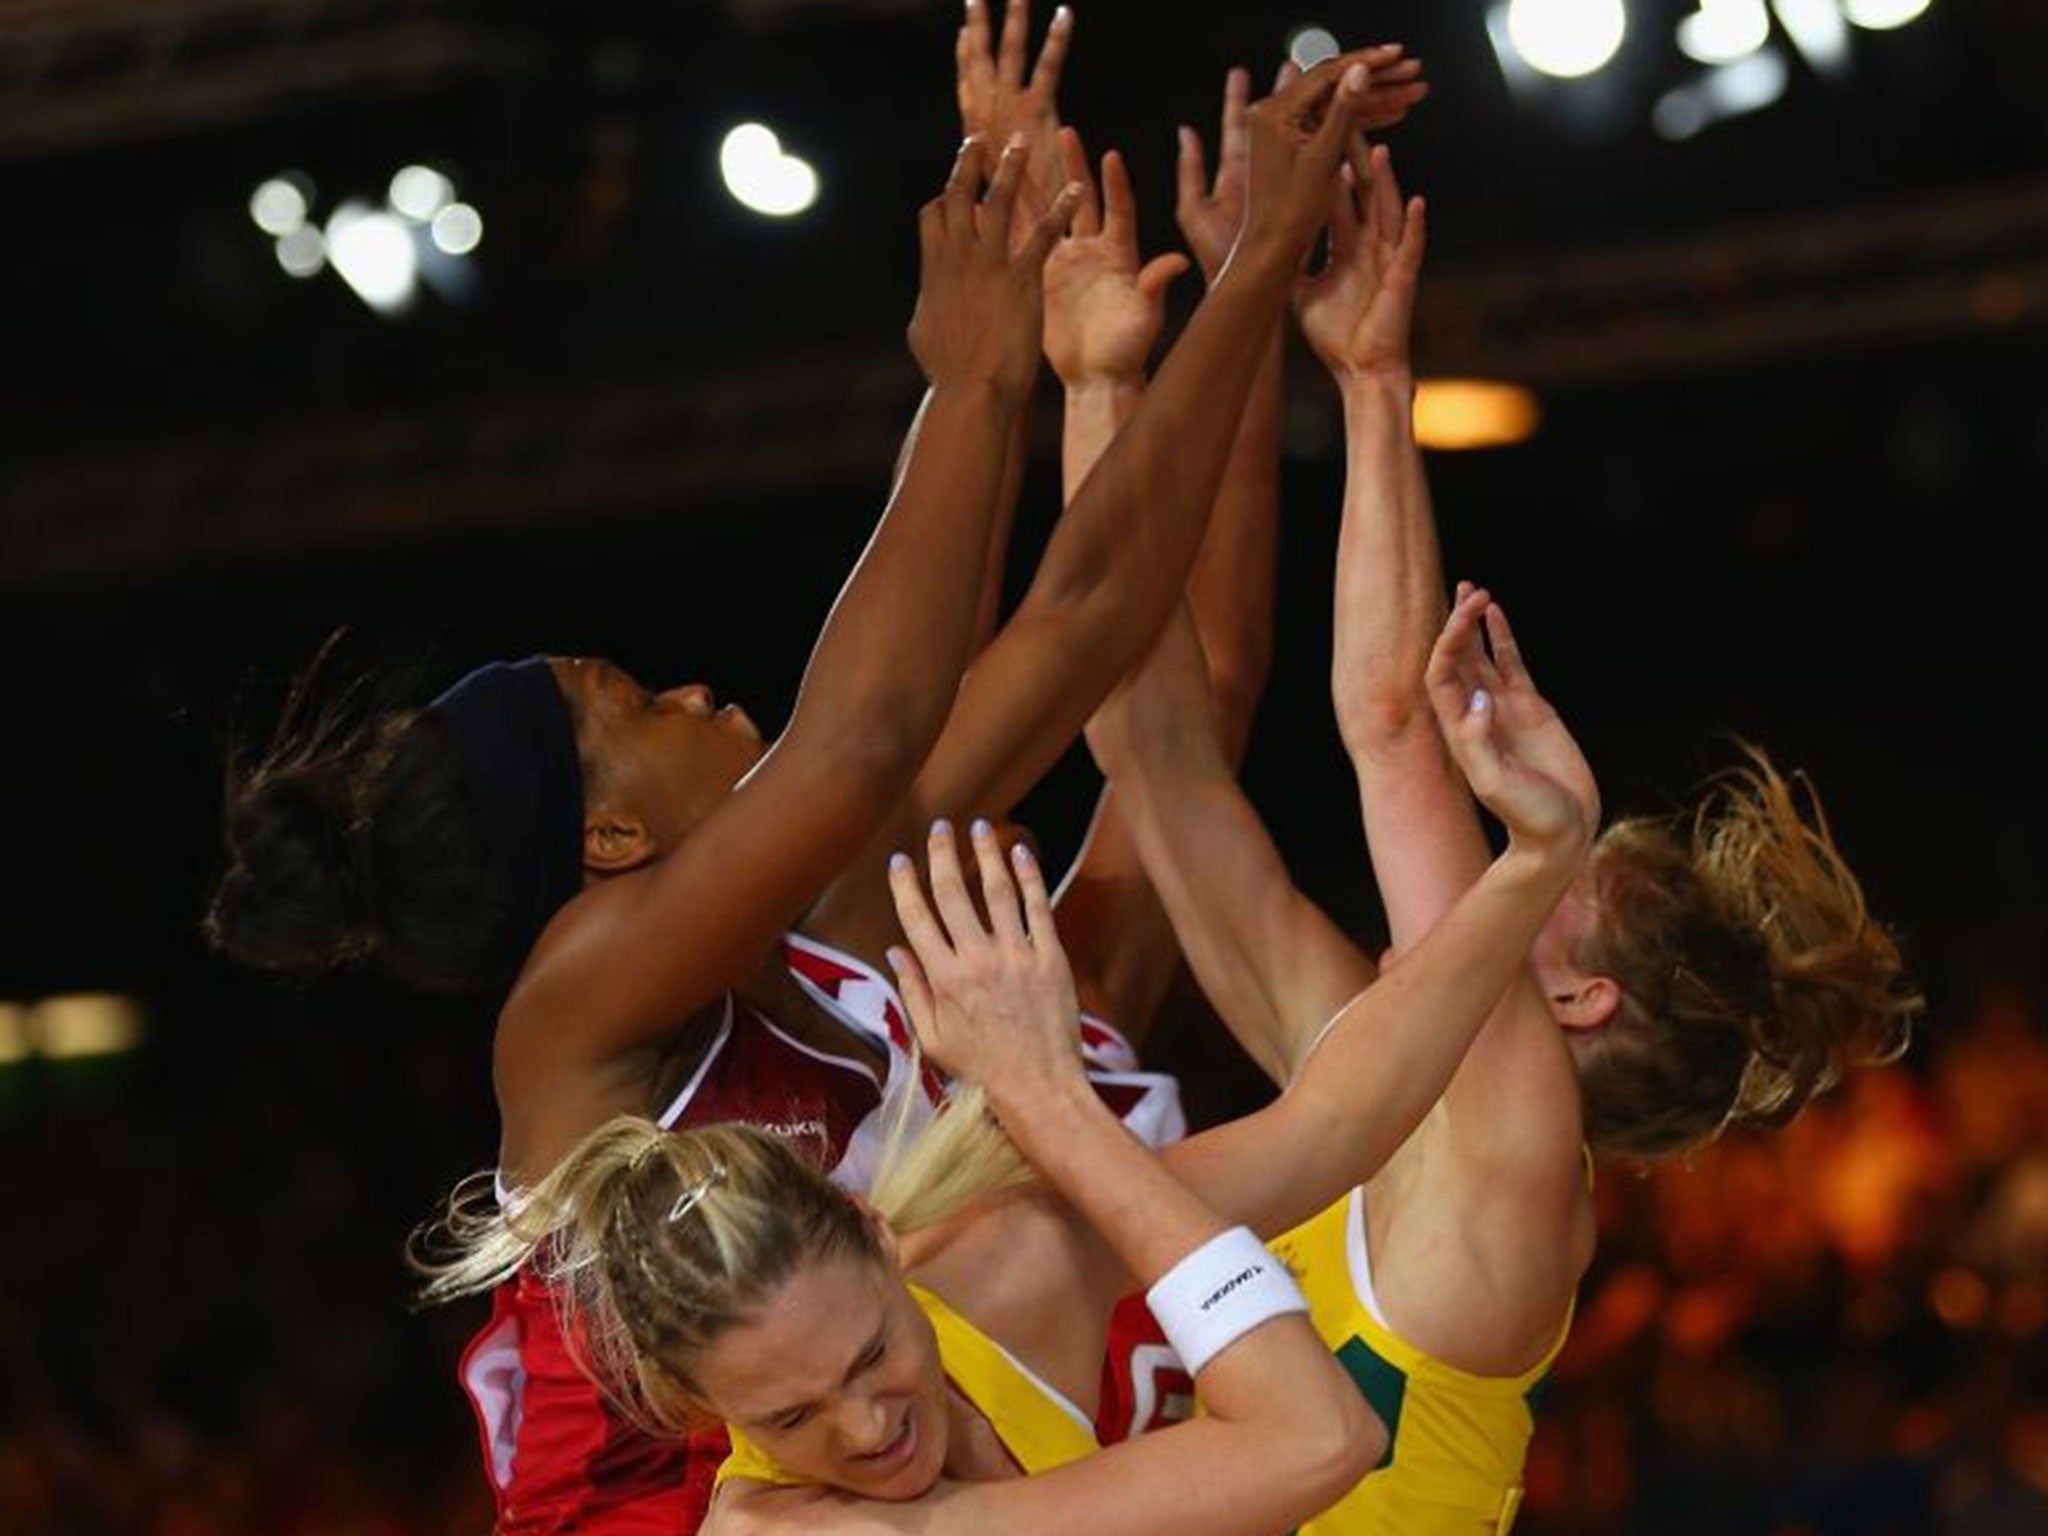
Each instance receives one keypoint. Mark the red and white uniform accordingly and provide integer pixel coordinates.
(559, 1458)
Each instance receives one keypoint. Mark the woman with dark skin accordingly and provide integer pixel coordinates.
(694, 849)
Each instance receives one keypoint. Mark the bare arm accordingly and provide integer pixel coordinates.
(1118, 935)
(1513, 1101)
(609, 976)
(1285, 1430)
(1392, 1051)
(1270, 962)
(1426, 841)
(1121, 555)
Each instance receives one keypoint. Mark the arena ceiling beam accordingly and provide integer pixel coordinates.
(1826, 285)
(77, 74)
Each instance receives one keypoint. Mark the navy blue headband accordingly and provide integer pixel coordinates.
(512, 731)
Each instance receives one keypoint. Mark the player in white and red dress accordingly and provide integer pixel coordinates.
(559, 1456)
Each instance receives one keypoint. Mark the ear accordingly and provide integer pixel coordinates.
(1587, 1003)
(614, 842)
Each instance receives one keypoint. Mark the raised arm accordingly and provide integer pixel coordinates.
(1118, 935)
(1004, 95)
(1120, 556)
(1356, 315)
(1390, 1053)
(1274, 967)
(1513, 1105)
(1284, 1432)
(629, 959)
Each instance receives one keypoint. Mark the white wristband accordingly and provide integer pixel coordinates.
(1219, 1293)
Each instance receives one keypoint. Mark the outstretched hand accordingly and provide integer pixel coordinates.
(980, 304)
(1512, 747)
(991, 1000)
(1295, 140)
(1104, 306)
(1356, 314)
(998, 101)
(1211, 212)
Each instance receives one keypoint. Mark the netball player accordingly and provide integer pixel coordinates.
(1719, 969)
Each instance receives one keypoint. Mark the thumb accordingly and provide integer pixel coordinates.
(916, 991)
(1340, 118)
(1160, 274)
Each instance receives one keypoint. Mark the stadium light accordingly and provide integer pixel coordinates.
(761, 176)
(1883, 15)
(1474, 413)
(1722, 31)
(373, 252)
(1566, 39)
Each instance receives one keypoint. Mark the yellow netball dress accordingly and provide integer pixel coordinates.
(1454, 1462)
(1038, 1427)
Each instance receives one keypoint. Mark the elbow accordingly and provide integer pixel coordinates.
(1348, 1442)
(874, 760)
(1237, 683)
(1378, 719)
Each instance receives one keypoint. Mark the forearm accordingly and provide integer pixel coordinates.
(1148, 1218)
(1096, 410)
(989, 615)
(1231, 590)
(1383, 1061)
(888, 662)
(1122, 553)
(1390, 599)
(1403, 1038)
(1427, 844)
(1269, 961)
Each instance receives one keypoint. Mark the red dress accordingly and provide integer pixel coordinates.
(559, 1457)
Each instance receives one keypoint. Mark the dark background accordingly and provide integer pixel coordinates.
(1791, 483)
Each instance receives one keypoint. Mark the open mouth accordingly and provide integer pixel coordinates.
(897, 1452)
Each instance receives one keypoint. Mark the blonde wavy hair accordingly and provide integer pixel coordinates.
(1753, 975)
(654, 1242)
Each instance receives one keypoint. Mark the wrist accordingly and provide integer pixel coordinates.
(988, 390)
(1546, 864)
(1032, 1105)
(1104, 388)
(1376, 387)
(1259, 256)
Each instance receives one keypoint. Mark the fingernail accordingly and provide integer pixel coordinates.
(1480, 700)
(1357, 78)
(1064, 16)
(1020, 855)
(981, 827)
(899, 861)
(942, 828)
(894, 956)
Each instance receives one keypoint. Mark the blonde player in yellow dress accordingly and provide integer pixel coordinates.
(1714, 970)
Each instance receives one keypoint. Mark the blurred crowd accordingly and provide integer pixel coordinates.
(1840, 1329)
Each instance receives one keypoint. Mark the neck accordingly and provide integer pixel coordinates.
(974, 1452)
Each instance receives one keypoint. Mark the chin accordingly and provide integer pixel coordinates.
(917, 1474)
